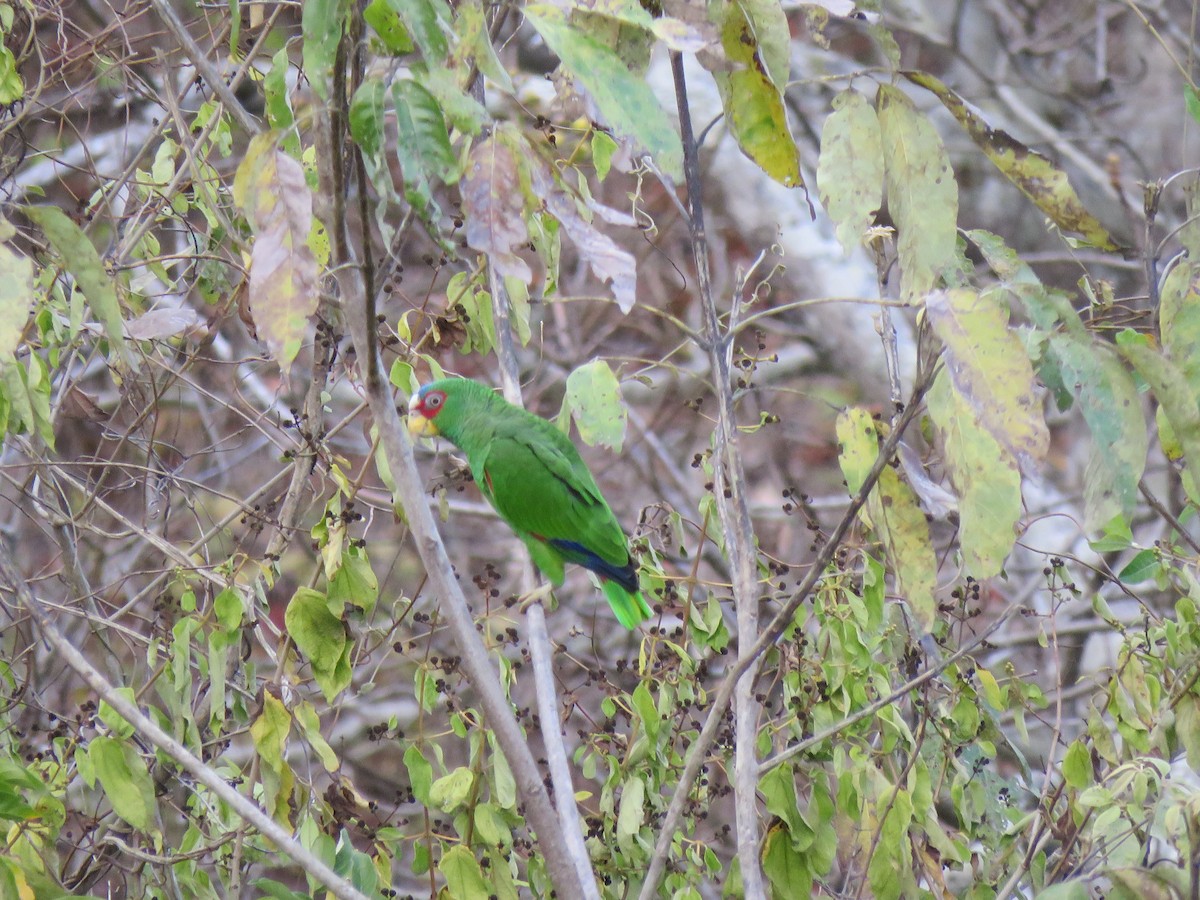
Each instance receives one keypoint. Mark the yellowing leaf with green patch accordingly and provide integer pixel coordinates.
(990, 369)
(1034, 175)
(1179, 320)
(270, 187)
(893, 514)
(1109, 401)
(593, 398)
(270, 733)
(16, 298)
(751, 83)
(850, 168)
(464, 878)
(985, 476)
(922, 193)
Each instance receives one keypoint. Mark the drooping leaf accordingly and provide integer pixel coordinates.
(420, 773)
(126, 781)
(321, 637)
(631, 813)
(893, 514)
(850, 168)
(1112, 410)
(310, 724)
(751, 80)
(16, 298)
(271, 188)
(1046, 308)
(321, 22)
(990, 369)
(984, 474)
(594, 399)
(785, 869)
(625, 101)
(1176, 397)
(922, 193)
(80, 258)
(464, 878)
(426, 21)
(452, 790)
(608, 262)
(1034, 175)
(423, 145)
(270, 734)
(495, 208)
(461, 110)
(1179, 320)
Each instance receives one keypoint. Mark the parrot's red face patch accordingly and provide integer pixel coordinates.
(429, 405)
(422, 410)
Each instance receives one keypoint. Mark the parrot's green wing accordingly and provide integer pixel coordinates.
(545, 491)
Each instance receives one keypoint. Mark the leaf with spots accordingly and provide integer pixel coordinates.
(593, 399)
(985, 476)
(893, 514)
(1033, 175)
(271, 188)
(990, 369)
(850, 167)
(751, 80)
(922, 194)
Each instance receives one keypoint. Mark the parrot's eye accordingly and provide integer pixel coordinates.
(433, 401)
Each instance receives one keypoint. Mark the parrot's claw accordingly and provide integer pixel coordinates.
(537, 595)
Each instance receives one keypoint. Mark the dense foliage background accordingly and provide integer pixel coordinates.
(880, 328)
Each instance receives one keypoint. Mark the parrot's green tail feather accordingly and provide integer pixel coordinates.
(630, 608)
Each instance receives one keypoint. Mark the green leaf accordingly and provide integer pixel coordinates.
(12, 88)
(1144, 566)
(420, 773)
(386, 23)
(778, 789)
(119, 728)
(310, 724)
(922, 194)
(423, 145)
(647, 710)
(1033, 174)
(16, 299)
(594, 398)
(125, 780)
(464, 878)
(1179, 320)
(985, 477)
(321, 22)
(321, 637)
(632, 813)
(426, 21)
(354, 582)
(990, 370)
(1112, 410)
(270, 733)
(1191, 100)
(229, 607)
(80, 258)
(850, 168)
(625, 101)
(751, 81)
(785, 869)
(463, 111)
(452, 790)
(1176, 397)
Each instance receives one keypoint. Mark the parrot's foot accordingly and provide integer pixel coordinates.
(537, 595)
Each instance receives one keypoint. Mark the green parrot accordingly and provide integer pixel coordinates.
(532, 475)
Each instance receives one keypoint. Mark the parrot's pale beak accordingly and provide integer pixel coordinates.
(419, 426)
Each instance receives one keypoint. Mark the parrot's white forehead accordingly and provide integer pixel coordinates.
(414, 400)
